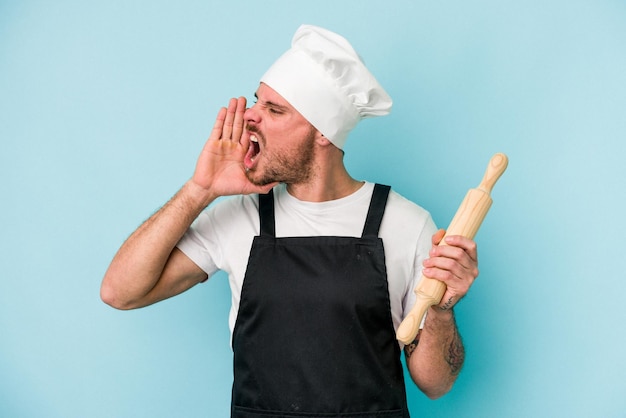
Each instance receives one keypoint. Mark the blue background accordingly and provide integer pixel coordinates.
(105, 105)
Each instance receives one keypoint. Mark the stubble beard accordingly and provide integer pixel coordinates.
(293, 167)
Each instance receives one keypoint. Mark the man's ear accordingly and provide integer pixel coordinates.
(322, 140)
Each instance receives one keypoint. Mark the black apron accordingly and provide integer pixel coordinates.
(314, 335)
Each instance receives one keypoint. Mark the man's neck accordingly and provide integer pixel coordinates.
(324, 191)
(330, 181)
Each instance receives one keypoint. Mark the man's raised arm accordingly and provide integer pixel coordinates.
(148, 267)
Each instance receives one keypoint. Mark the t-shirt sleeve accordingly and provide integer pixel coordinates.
(195, 244)
(221, 237)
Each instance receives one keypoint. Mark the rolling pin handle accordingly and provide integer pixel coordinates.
(495, 168)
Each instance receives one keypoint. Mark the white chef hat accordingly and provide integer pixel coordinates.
(323, 78)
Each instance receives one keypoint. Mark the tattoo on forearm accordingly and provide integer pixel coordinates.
(456, 353)
(409, 348)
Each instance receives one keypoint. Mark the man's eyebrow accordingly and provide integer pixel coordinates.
(271, 104)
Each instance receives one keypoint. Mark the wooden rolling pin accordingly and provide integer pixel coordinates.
(466, 222)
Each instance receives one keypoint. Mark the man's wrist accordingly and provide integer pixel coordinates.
(197, 195)
(438, 315)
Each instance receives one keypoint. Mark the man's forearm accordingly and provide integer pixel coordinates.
(139, 263)
(435, 359)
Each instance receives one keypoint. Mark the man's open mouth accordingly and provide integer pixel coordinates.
(253, 152)
(254, 142)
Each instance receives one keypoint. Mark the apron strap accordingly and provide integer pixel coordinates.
(266, 214)
(372, 222)
(376, 210)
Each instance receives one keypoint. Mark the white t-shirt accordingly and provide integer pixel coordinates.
(221, 237)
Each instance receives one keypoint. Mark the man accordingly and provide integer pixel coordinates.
(321, 266)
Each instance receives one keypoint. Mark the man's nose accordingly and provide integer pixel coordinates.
(251, 115)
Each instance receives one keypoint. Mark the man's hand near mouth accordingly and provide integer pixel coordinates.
(220, 169)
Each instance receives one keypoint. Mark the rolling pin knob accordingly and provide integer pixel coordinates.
(495, 168)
